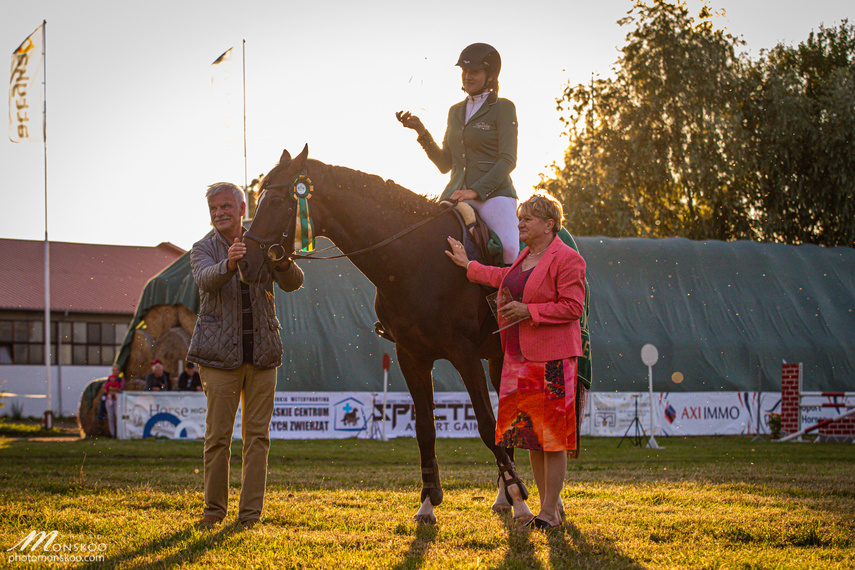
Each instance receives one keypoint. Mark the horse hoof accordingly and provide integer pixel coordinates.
(502, 509)
(425, 519)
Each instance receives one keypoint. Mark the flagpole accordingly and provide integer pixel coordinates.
(245, 177)
(48, 417)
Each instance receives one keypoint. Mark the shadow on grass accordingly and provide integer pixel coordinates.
(521, 552)
(569, 548)
(415, 557)
(189, 548)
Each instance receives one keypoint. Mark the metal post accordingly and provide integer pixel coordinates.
(48, 415)
(386, 363)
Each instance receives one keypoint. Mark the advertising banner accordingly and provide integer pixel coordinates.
(338, 415)
(300, 415)
(680, 413)
(173, 415)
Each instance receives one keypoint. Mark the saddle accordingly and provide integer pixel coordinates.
(480, 243)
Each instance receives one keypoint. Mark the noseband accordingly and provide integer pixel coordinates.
(274, 249)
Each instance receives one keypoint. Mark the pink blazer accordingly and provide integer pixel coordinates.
(555, 295)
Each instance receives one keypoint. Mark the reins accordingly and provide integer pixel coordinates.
(388, 240)
(272, 243)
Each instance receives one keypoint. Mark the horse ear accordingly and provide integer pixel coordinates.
(285, 158)
(301, 158)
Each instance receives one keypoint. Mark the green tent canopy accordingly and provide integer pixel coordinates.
(724, 314)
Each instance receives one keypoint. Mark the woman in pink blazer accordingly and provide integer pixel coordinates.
(541, 298)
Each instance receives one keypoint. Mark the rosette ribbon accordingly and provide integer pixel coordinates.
(304, 234)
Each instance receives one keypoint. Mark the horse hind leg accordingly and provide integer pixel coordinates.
(420, 384)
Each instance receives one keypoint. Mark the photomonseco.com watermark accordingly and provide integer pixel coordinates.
(42, 546)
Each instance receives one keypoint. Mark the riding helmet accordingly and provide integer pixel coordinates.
(481, 56)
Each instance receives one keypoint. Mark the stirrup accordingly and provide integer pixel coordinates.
(514, 480)
(382, 332)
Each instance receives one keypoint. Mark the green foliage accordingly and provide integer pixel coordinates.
(801, 118)
(690, 138)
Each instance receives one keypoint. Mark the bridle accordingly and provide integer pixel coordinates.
(276, 251)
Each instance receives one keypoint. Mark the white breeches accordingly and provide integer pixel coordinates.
(500, 215)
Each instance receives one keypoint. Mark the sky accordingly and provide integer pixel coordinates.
(136, 131)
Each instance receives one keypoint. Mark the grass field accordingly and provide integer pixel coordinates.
(700, 502)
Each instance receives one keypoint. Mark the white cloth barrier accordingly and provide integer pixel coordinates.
(337, 415)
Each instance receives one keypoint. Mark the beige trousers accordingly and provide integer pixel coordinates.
(225, 389)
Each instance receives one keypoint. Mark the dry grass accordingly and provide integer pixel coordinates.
(697, 503)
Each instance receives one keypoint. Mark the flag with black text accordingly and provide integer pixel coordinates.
(26, 120)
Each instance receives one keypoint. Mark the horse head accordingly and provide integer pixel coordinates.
(270, 236)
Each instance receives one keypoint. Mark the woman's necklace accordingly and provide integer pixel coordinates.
(530, 254)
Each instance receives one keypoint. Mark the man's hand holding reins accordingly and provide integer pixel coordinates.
(236, 252)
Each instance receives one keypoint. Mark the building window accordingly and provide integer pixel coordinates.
(81, 343)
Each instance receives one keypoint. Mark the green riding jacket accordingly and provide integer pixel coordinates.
(481, 153)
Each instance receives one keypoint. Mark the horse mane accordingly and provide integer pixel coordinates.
(370, 186)
(375, 188)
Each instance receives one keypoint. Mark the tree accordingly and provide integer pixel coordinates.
(653, 150)
(800, 118)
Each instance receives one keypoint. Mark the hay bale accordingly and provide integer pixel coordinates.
(171, 348)
(87, 412)
(135, 385)
(187, 318)
(160, 319)
(139, 360)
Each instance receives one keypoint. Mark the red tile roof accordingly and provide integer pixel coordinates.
(84, 277)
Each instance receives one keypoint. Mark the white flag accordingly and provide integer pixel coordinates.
(25, 96)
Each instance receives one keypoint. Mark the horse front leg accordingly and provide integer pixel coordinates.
(417, 373)
(501, 505)
(472, 373)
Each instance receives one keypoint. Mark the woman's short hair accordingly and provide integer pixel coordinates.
(218, 187)
(542, 205)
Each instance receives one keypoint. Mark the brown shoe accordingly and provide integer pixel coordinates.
(249, 523)
(207, 522)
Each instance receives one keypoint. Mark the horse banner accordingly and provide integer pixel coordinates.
(25, 97)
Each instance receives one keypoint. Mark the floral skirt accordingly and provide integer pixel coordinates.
(538, 405)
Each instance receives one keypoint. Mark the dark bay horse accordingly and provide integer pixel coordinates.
(423, 301)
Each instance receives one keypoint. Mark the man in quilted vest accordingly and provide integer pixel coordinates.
(237, 346)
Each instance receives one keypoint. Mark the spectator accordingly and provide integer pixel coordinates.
(158, 379)
(189, 379)
(112, 387)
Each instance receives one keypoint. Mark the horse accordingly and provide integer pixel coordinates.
(424, 302)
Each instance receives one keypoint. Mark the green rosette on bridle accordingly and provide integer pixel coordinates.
(304, 234)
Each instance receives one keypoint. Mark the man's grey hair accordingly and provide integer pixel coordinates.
(218, 187)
